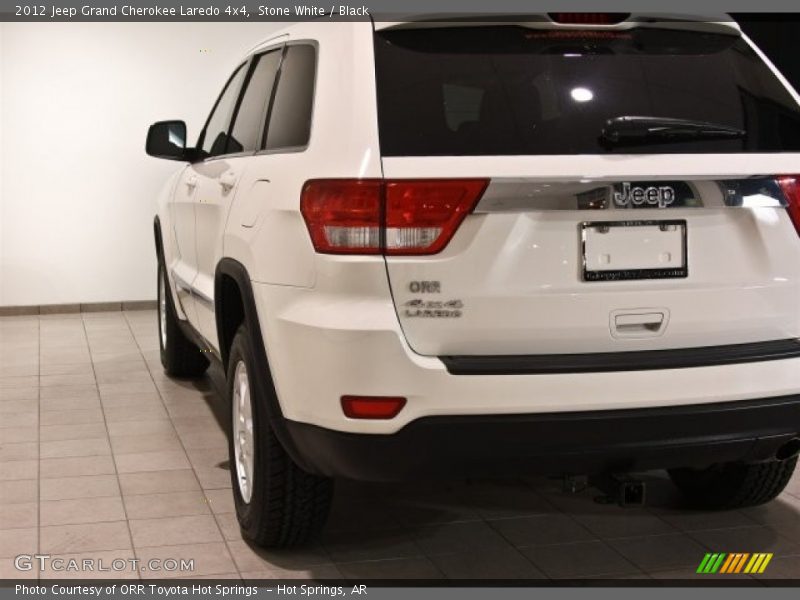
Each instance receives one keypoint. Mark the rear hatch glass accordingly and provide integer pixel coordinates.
(510, 90)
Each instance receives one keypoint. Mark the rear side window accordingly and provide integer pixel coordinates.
(290, 117)
(215, 135)
(507, 90)
(247, 126)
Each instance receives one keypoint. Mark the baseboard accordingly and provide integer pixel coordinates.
(66, 309)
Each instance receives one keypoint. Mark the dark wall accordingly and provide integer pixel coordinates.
(778, 36)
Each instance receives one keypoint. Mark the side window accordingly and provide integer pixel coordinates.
(247, 125)
(215, 135)
(290, 117)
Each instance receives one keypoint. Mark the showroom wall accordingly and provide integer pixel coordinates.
(77, 192)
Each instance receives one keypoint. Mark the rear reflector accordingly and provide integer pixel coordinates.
(372, 407)
(588, 18)
(396, 217)
(791, 190)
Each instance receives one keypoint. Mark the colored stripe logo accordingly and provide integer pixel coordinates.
(735, 562)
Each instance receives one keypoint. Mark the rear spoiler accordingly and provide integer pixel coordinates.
(723, 24)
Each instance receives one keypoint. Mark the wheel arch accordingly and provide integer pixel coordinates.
(232, 284)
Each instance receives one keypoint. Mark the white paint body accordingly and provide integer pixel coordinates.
(332, 325)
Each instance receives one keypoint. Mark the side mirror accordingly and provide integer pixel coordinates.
(167, 139)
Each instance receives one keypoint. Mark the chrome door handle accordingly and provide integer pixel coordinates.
(227, 181)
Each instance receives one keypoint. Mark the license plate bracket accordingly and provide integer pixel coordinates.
(629, 250)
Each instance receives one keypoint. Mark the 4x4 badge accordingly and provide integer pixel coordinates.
(637, 196)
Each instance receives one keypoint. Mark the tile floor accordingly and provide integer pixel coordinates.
(102, 456)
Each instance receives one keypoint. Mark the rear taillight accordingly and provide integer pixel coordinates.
(588, 18)
(791, 191)
(376, 216)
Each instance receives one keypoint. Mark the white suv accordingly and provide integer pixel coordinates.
(564, 245)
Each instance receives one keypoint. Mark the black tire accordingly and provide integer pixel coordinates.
(288, 506)
(734, 485)
(180, 357)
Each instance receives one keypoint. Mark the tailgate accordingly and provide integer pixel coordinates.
(554, 266)
(582, 242)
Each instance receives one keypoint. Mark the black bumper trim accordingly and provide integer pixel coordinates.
(570, 442)
(539, 364)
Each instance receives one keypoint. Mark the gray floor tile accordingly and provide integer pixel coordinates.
(581, 559)
(757, 538)
(229, 526)
(14, 516)
(19, 469)
(168, 460)
(691, 520)
(631, 522)
(542, 529)
(75, 448)
(155, 482)
(72, 417)
(18, 541)
(251, 558)
(52, 433)
(143, 427)
(660, 551)
(402, 568)
(83, 377)
(505, 564)
(156, 442)
(451, 538)
(16, 491)
(18, 451)
(88, 537)
(15, 435)
(69, 391)
(172, 504)
(82, 510)
(73, 467)
(220, 501)
(315, 573)
(351, 546)
(196, 529)
(87, 486)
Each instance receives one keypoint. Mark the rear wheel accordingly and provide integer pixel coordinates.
(179, 356)
(734, 485)
(278, 504)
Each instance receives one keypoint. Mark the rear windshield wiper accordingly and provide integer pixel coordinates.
(630, 130)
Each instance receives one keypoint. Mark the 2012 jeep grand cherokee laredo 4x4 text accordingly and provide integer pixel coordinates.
(564, 245)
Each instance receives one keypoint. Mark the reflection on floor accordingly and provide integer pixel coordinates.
(102, 456)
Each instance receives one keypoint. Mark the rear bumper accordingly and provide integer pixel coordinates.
(575, 442)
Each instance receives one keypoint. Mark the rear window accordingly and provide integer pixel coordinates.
(507, 90)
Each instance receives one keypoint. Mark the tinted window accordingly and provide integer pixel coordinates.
(215, 135)
(512, 90)
(249, 121)
(290, 117)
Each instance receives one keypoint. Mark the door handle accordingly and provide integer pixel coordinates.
(227, 181)
(191, 182)
(639, 323)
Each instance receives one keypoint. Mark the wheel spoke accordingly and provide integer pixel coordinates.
(243, 444)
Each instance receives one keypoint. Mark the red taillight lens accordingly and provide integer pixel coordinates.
(422, 216)
(791, 190)
(343, 215)
(588, 18)
(372, 407)
(398, 217)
